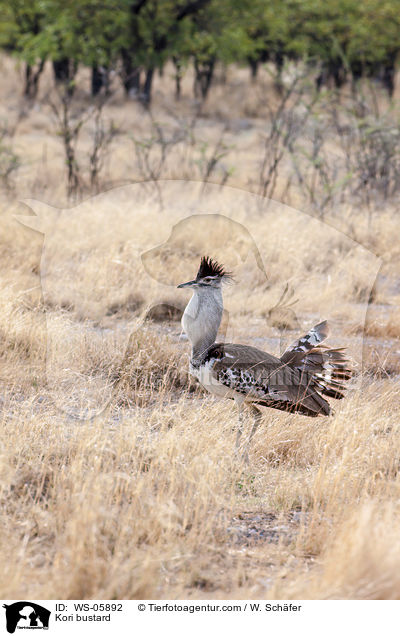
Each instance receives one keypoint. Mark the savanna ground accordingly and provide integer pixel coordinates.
(146, 499)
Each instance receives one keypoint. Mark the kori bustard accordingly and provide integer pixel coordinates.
(295, 382)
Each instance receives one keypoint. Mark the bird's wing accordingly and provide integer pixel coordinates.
(237, 354)
(263, 378)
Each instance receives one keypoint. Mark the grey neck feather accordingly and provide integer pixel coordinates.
(202, 318)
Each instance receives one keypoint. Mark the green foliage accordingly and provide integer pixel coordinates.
(353, 31)
(348, 33)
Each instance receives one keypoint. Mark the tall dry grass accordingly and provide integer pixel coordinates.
(145, 498)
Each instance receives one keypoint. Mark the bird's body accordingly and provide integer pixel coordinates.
(295, 382)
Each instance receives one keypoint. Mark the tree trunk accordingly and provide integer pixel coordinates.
(279, 63)
(388, 76)
(253, 68)
(32, 76)
(130, 75)
(146, 95)
(203, 77)
(335, 71)
(178, 76)
(64, 73)
(100, 80)
(97, 80)
(338, 73)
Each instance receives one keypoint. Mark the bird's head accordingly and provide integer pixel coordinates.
(210, 275)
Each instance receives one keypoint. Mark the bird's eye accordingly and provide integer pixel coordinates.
(207, 279)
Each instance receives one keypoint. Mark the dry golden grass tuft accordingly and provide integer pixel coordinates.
(145, 498)
(386, 326)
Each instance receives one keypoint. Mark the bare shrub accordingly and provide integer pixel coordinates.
(350, 150)
(69, 123)
(198, 158)
(285, 126)
(102, 136)
(321, 174)
(152, 151)
(9, 160)
(376, 159)
(211, 157)
(71, 117)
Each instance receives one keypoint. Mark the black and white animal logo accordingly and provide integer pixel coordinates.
(26, 615)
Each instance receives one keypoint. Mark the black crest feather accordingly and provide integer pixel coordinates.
(208, 267)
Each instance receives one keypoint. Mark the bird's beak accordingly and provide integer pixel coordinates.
(191, 283)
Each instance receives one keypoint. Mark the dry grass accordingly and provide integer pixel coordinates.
(145, 498)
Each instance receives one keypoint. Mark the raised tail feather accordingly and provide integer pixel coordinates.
(328, 369)
(309, 341)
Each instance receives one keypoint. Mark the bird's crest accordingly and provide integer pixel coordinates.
(208, 267)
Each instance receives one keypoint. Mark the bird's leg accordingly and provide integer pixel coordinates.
(257, 418)
(256, 413)
(240, 425)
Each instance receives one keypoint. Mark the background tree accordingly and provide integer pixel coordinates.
(339, 40)
(20, 25)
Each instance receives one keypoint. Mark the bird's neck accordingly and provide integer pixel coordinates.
(201, 320)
